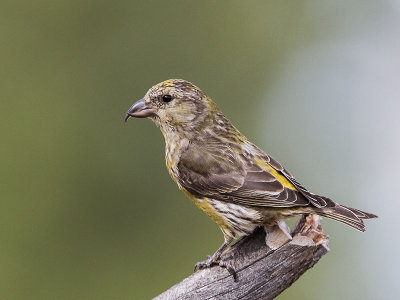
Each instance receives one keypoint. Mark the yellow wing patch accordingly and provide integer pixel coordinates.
(267, 167)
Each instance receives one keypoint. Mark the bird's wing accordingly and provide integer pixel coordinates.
(315, 200)
(256, 180)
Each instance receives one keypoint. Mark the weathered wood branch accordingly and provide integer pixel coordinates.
(262, 273)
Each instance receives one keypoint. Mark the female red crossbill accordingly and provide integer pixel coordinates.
(233, 181)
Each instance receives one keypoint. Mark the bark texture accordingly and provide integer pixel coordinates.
(262, 273)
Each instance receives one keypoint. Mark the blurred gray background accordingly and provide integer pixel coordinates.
(88, 210)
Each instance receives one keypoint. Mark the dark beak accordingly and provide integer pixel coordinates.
(139, 110)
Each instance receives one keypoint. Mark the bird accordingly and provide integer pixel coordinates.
(234, 182)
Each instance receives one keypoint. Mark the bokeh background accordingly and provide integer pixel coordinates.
(87, 208)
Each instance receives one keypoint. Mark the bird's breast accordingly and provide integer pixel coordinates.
(174, 146)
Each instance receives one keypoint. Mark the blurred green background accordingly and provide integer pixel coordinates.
(88, 210)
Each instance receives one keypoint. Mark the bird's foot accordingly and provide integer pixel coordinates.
(210, 261)
(213, 261)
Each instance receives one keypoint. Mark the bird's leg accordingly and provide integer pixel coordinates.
(214, 259)
(277, 235)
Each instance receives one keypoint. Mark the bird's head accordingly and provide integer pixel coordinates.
(174, 105)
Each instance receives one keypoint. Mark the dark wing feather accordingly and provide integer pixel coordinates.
(209, 170)
(316, 200)
(226, 176)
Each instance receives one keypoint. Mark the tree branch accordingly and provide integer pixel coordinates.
(262, 273)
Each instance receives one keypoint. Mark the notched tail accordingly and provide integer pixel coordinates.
(347, 215)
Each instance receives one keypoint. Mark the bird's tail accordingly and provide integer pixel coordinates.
(347, 215)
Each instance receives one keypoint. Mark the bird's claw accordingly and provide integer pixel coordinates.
(229, 268)
(211, 261)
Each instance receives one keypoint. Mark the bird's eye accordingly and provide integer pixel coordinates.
(167, 98)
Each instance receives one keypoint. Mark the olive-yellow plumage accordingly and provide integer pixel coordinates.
(235, 183)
